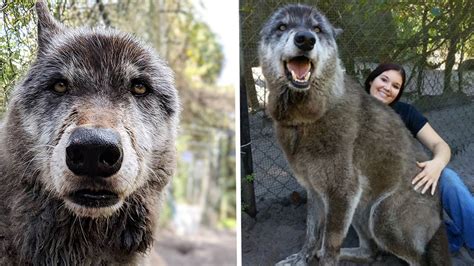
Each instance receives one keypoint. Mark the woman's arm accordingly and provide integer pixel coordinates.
(431, 172)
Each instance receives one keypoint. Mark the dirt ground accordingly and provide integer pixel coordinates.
(206, 247)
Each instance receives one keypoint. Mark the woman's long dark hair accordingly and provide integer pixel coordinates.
(382, 68)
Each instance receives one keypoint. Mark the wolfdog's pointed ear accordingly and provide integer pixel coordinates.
(47, 25)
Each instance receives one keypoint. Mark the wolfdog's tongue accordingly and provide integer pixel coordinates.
(300, 66)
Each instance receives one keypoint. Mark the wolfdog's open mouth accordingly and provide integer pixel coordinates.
(94, 199)
(298, 71)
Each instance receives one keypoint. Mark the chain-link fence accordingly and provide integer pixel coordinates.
(432, 39)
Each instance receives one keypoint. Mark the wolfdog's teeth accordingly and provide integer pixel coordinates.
(293, 75)
(306, 77)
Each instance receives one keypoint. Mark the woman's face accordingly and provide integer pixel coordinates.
(386, 86)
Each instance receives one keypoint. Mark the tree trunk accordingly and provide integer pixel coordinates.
(454, 33)
(450, 60)
(424, 53)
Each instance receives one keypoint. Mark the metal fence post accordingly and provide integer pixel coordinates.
(248, 193)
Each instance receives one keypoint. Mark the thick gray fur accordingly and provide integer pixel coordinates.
(353, 154)
(37, 224)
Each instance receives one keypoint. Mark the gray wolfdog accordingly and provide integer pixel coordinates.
(352, 154)
(87, 148)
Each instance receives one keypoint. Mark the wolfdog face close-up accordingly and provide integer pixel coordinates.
(304, 42)
(89, 141)
(98, 108)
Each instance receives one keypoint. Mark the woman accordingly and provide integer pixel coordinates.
(386, 83)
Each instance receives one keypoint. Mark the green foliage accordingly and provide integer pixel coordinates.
(250, 178)
(16, 42)
(435, 11)
(206, 55)
(228, 223)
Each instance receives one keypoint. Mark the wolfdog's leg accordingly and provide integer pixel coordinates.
(314, 221)
(320, 220)
(341, 204)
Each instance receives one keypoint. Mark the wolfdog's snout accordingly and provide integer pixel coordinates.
(304, 40)
(94, 152)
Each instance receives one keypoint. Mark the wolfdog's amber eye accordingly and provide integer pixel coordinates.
(60, 87)
(317, 29)
(282, 27)
(139, 89)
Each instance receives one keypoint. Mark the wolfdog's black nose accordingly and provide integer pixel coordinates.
(304, 40)
(95, 152)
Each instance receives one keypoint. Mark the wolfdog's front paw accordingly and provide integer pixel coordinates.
(320, 253)
(297, 259)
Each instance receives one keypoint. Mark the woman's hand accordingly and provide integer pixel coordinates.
(428, 177)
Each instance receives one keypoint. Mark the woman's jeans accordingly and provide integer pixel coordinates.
(458, 203)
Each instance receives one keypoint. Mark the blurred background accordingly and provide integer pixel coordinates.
(199, 215)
